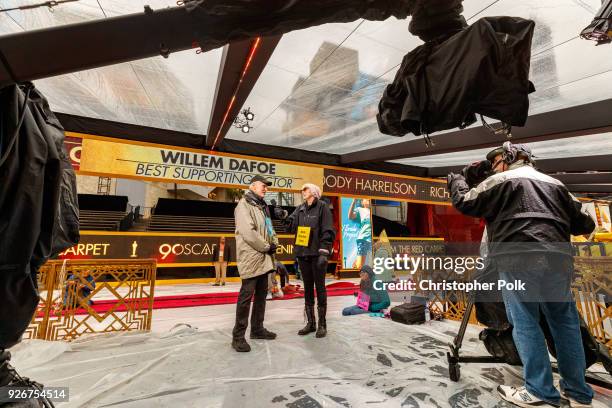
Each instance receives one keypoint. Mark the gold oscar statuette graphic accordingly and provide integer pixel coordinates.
(134, 247)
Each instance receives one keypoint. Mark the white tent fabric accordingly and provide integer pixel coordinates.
(365, 361)
(174, 93)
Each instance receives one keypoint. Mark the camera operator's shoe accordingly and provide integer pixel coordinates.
(263, 334)
(521, 397)
(573, 403)
(10, 378)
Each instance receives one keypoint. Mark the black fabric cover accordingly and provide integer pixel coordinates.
(483, 69)
(435, 19)
(38, 203)
(244, 19)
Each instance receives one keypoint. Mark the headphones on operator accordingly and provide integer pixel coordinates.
(510, 153)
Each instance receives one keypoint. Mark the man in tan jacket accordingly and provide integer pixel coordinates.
(256, 243)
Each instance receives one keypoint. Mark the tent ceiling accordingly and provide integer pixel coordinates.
(320, 88)
(174, 93)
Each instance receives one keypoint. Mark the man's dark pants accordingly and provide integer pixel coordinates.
(257, 289)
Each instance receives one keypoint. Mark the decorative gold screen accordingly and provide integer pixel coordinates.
(593, 291)
(81, 297)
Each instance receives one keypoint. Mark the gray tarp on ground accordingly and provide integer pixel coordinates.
(363, 362)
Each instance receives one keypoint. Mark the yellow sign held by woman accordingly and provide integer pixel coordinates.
(302, 237)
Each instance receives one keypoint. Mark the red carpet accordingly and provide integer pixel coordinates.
(207, 299)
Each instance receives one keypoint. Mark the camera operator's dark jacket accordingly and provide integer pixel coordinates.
(525, 211)
(39, 213)
(319, 218)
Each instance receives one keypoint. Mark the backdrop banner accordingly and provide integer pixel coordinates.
(109, 157)
(378, 185)
(169, 249)
(115, 158)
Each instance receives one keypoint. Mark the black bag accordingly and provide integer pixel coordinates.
(408, 313)
(499, 343)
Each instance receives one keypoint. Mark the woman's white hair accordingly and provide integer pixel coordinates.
(314, 189)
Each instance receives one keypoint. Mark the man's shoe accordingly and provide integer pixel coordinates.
(263, 334)
(216, 284)
(573, 403)
(241, 346)
(521, 397)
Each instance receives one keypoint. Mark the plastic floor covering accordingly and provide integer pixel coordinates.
(187, 361)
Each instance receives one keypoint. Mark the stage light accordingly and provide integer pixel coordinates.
(248, 114)
(244, 122)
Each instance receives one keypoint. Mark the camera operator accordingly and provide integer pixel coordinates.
(313, 221)
(530, 217)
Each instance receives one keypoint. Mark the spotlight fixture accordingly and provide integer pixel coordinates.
(248, 114)
(244, 122)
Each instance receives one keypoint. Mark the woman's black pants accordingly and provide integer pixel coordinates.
(313, 270)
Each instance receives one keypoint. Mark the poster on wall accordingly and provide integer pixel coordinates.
(356, 232)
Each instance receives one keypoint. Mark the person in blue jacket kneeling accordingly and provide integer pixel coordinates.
(379, 299)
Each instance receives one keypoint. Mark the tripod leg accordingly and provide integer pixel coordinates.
(454, 369)
(464, 322)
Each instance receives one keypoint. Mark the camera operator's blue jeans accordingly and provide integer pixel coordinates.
(554, 275)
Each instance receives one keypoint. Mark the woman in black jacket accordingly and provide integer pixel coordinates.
(312, 222)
